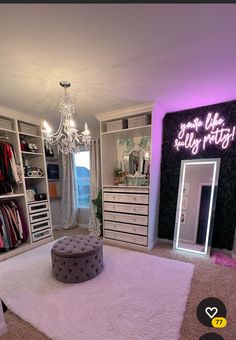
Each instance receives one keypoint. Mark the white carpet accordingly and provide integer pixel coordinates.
(137, 296)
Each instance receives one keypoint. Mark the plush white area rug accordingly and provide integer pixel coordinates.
(136, 297)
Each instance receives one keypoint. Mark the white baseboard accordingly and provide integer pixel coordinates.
(224, 251)
(165, 240)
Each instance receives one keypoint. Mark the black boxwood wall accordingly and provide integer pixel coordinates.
(225, 213)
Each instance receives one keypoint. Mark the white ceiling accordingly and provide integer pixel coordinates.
(182, 55)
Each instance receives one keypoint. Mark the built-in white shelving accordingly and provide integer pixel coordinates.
(7, 130)
(32, 153)
(37, 236)
(35, 177)
(11, 196)
(129, 131)
(30, 135)
(127, 217)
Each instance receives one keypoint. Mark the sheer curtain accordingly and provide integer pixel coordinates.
(68, 193)
(95, 185)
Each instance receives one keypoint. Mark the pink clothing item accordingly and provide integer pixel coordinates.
(224, 260)
(1, 242)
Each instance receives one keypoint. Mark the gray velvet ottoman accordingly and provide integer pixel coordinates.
(77, 259)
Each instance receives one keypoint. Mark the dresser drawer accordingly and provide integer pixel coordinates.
(133, 219)
(141, 240)
(126, 208)
(40, 225)
(39, 235)
(37, 207)
(127, 189)
(128, 228)
(39, 216)
(126, 198)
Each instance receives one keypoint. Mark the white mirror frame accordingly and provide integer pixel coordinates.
(216, 169)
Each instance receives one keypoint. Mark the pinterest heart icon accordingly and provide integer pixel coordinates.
(211, 311)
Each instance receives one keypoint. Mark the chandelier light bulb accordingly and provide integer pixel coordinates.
(72, 123)
(86, 130)
(45, 124)
(49, 129)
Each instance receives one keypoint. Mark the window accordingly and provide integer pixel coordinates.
(82, 177)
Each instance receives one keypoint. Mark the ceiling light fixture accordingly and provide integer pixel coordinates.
(67, 137)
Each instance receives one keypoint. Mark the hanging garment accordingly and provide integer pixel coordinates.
(8, 168)
(13, 228)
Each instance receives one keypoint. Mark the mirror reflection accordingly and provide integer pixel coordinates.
(135, 160)
(196, 204)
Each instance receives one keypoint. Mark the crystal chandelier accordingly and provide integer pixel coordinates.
(67, 137)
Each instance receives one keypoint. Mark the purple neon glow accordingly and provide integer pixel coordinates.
(213, 131)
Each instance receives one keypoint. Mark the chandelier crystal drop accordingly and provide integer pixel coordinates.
(67, 137)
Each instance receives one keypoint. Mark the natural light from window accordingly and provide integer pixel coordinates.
(82, 175)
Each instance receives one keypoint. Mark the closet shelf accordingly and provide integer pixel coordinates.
(29, 134)
(32, 153)
(35, 177)
(7, 130)
(10, 196)
(144, 127)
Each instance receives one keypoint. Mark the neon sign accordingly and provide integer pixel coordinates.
(198, 134)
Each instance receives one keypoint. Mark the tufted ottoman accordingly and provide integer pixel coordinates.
(77, 259)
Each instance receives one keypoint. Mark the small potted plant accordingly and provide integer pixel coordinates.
(118, 176)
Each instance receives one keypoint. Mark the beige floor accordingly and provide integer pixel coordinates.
(209, 280)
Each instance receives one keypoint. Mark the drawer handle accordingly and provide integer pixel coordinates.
(134, 229)
(114, 197)
(134, 219)
(114, 208)
(135, 198)
(135, 209)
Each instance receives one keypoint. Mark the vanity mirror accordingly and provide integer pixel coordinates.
(196, 205)
(135, 160)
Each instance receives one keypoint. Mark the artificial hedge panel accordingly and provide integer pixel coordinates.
(225, 212)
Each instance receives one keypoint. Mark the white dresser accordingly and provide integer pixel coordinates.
(126, 214)
(130, 205)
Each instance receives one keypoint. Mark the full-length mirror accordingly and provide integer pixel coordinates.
(196, 205)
